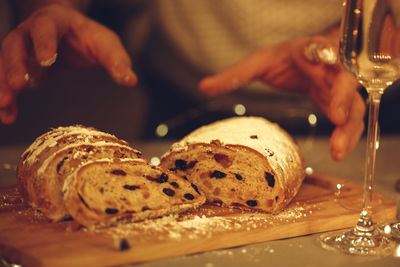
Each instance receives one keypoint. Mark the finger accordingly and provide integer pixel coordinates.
(109, 51)
(237, 75)
(5, 96)
(344, 89)
(44, 37)
(8, 114)
(335, 88)
(8, 104)
(5, 90)
(14, 49)
(345, 137)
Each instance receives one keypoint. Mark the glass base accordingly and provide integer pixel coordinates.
(363, 240)
(350, 243)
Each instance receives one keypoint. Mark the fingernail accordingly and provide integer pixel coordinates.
(17, 81)
(49, 62)
(342, 113)
(339, 147)
(124, 77)
(130, 78)
(6, 117)
(4, 99)
(339, 155)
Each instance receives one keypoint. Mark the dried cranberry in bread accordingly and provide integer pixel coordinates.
(40, 171)
(244, 162)
(106, 191)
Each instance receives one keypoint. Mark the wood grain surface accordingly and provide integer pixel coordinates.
(29, 239)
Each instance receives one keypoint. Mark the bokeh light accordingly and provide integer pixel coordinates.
(155, 161)
(312, 119)
(162, 130)
(239, 109)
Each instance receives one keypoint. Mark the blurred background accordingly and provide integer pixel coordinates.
(166, 103)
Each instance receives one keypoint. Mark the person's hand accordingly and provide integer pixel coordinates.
(8, 104)
(285, 66)
(54, 37)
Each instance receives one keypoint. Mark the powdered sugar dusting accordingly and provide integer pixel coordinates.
(256, 133)
(50, 139)
(207, 223)
(79, 153)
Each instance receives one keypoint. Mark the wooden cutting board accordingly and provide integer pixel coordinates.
(28, 239)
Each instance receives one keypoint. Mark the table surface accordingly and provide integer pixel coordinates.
(299, 251)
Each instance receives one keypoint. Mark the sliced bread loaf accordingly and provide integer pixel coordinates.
(243, 162)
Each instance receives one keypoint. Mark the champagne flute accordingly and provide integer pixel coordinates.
(369, 49)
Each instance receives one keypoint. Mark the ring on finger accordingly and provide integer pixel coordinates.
(317, 54)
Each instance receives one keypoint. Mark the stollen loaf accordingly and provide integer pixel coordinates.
(244, 162)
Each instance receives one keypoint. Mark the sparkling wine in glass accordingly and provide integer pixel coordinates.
(369, 49)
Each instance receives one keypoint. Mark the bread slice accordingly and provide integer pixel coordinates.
(49, 178)
(107, 191)
(243, 162)
(29, 178)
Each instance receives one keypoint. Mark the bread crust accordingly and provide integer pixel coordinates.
(243, 162)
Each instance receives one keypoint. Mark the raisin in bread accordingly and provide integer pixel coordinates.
(106, 191)
(44, 166)
(244, 162)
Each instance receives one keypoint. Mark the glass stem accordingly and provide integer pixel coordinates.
(374, 97)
